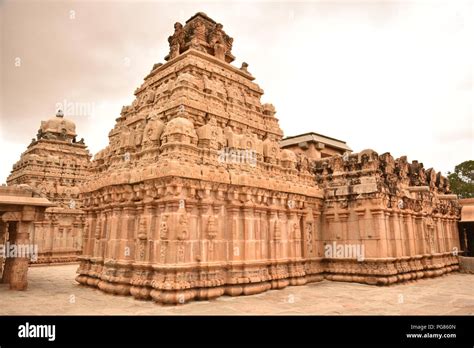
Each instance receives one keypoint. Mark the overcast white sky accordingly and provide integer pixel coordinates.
(393, 76)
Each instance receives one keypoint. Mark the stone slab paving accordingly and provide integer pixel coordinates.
(52, 291)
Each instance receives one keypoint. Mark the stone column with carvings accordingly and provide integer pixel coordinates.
(97, 232)
(342, 228)
(249, 237)
(317, 234)
(391, 247)
(421, 247)
(329, 218)
(408, 233)
(380, 232)
(7, 270)
(19, 269)
(114, 234)
(163, 234)
(439, 233)
(396, 221)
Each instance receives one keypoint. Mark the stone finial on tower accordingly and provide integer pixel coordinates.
(244, 67)
(203, 34)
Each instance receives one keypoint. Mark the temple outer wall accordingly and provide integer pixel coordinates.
(186, 249)
(59, 236)
(388, 245)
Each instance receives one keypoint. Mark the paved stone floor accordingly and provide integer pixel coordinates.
(52, 290)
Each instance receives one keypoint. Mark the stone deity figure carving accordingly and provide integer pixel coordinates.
(152, 133)
(142, 229)
(176, 41)
(309, 237)
(183, 226)
(402, 169)
(150, 96)
(211, 227)
(220, 41)
(199, 36)
(164, 227)
(200, 31)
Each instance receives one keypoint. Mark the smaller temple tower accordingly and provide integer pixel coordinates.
(53, 165)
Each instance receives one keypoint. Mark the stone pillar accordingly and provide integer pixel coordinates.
(391, 247)
(291, 220)
(275, 235)
(112, 241)
(249, 251)
(452, 233)
(235, 250)
(437, 234)
(409, 234)
(203, 247)
(317, 235)
(361, 223)
(299, 241)
(163, 233)
(19, 269)
(7, 270)
(376, 243)
(264, 234)
(3, 232)
(442, 235)
(421, 247)
(87, 236)
(259, 233)
(97, 232)
(342, 230)
(77, 236)
(105, 233)
(53, 237)
(330, 217)
(400, 250)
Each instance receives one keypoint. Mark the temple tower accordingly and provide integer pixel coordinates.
(53, 165)
(193, 197)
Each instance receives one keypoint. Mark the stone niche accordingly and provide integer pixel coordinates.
(193, 197)
(53, 166)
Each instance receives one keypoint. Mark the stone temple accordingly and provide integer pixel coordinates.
(53, 166)
(194, 197)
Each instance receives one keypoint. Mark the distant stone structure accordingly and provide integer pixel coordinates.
(53, 165)
(193, 198)
(315, 146)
